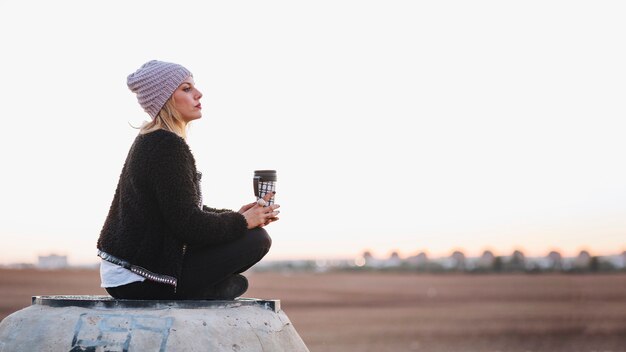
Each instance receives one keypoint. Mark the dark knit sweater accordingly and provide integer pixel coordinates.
(157, 208)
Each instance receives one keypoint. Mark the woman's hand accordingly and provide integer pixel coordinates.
(257, 215)
(246, 207)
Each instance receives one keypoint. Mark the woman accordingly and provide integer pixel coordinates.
(158, 240)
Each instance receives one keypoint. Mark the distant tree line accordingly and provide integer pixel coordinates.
(457, 262)
(584, 262)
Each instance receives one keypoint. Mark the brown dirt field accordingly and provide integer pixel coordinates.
(409, 312)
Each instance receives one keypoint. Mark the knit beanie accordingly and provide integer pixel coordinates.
(155, 82)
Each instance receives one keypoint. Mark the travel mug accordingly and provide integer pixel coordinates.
(264, 182)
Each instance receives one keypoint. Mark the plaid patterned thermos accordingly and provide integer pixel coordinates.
(264, 182)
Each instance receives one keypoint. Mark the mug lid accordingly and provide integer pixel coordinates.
(265, 175)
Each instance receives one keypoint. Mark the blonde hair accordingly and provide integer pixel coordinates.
(167, 119)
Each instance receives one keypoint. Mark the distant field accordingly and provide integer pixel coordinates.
(405, 312)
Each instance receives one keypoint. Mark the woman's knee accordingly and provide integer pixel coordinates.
(260, 237)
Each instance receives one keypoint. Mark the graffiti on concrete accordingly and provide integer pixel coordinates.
(120, 333)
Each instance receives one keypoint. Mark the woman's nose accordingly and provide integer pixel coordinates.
(198, 94)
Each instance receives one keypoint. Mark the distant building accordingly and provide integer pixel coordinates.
(52, 261)
(622, 261)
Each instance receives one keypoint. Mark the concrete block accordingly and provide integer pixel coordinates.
(101, 323)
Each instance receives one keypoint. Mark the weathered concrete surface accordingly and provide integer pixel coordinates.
(99, 323)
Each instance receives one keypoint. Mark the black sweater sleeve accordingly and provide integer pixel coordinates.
(172, 178)
(214, 210)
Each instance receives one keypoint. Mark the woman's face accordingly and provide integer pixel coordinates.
(187, 100)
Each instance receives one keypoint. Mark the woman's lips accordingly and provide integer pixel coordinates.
(199, 106)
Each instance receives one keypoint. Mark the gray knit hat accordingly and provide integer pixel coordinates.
(155, 82)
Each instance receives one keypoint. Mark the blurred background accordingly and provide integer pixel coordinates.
(394, 126)
(412, 140)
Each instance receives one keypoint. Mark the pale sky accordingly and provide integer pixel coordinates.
(393, 125)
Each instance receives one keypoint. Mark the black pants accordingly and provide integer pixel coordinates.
(203, 268)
